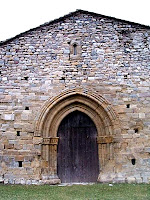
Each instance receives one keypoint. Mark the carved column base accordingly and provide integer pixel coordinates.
(105, 178)
(111, 178)
(50, 179)
(51, 182)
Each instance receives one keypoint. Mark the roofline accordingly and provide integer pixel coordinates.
(66, 16)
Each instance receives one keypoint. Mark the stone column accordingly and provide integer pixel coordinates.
(104, 149)
(50, 156)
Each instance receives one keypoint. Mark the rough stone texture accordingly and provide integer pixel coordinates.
(113, 59)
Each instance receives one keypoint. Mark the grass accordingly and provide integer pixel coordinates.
(76, 192)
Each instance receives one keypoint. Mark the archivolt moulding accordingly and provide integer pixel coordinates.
(87, 101)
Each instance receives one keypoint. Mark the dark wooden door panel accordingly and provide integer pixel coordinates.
(77, 149)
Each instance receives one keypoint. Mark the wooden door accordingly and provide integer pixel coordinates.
(77, 149)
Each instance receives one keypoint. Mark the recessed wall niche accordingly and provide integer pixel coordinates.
(75, 49)
(136, 130)
(128, 106)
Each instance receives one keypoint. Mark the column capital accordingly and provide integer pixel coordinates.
(50, 140)
(105, 139)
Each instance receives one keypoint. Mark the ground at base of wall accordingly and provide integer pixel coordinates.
(82, 192)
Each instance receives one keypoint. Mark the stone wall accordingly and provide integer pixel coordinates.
(112, 59)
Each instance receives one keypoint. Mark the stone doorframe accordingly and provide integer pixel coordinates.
(57, 108)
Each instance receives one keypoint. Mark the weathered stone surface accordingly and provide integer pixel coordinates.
(147, 149)
(37, 140)
(139, 180)
(1, 179)
(8, 117)
(112, 61)
(131, 179)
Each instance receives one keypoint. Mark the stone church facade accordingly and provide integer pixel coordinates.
(85, 62)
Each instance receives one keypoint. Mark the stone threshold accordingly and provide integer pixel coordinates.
(70, 184)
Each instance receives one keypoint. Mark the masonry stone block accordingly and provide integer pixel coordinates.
(37, 140)
(6, 181)
(8, 117)
(17, 181)
(22, 181)
(131, 179)
(29, 182)
(139, 180)
(147, 149)
(1, 179)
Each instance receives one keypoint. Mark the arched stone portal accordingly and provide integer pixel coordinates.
(56, 109)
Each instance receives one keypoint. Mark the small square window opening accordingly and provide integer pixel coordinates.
(18, 133)
(74, 49)
(26, 78)
(128, 106)
(136, 130)
(20, 163)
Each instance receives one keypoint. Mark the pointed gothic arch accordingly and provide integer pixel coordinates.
(57, 108)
